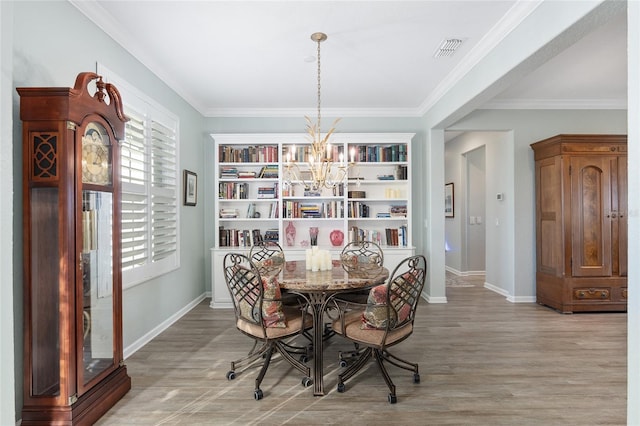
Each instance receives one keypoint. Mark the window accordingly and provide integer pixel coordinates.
(150, 213)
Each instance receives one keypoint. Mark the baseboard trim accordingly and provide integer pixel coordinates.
(135, 346)
(521, 299)
(496, 289)
(465, 273)
(430, 299)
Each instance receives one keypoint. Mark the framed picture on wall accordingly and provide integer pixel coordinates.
(190, 188)
(448, 200)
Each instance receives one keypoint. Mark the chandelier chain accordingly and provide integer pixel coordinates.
(319, 41)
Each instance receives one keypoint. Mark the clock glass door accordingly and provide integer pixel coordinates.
(97, 283)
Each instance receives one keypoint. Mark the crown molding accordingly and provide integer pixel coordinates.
(301, 112)
(508, 23)
(556, 104)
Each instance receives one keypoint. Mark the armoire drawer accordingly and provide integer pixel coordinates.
(592, 293)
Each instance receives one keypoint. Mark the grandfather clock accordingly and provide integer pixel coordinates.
(73, 363)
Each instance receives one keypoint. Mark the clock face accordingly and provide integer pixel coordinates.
(96, 161)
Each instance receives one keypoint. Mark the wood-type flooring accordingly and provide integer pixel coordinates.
(483, 361)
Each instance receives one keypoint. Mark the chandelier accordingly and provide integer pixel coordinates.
(319, 169)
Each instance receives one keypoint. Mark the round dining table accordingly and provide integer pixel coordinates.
(318, 288)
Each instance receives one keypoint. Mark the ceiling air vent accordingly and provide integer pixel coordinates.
(447, 47)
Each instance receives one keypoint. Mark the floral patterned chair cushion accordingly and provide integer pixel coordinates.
(272, 313)
(375, 314)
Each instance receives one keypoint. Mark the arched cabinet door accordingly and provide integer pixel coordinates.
(592, 216)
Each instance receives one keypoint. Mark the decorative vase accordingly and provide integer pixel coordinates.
(313, 235)
(336, 237)
(290, 233)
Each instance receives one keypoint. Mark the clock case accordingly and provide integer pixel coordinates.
(72, 374)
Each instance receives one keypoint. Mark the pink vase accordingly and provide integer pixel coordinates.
(336, 237)
(290, 234)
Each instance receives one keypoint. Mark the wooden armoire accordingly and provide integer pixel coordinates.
(581, 222)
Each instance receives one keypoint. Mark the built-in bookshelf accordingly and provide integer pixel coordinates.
(254, 201)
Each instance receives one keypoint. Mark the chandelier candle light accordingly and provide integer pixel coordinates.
(323, 171)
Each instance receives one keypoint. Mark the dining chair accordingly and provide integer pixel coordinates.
(261, 315)
(268, 256)
(386, 320)
(361, 254)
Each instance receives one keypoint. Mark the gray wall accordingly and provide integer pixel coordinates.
(65, 44)
(526, 127)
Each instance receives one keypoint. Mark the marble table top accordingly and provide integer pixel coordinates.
(295, 276)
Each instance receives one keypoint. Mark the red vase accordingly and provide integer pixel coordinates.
(337, 237)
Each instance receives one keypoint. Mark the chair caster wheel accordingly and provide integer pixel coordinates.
(341, 387)
(306, 382)
(343, 363)
(257, 394)
(416, 378)
(392, 399)
(231, 375)
(304, 358)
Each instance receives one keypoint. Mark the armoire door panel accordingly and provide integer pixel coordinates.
(549, 216)
(620, 228)
(591, 216)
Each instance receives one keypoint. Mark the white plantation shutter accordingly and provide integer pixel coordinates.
(163, 192)
(135, 216)
(150, 213)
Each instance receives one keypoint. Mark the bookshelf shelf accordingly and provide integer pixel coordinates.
(248, 167)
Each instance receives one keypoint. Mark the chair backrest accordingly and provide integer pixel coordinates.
(404, 289)
(245, 286)
(360, 254)
(268, 257)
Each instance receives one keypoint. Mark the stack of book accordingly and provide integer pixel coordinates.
(271, 235)
(228, 173)
(245, 174)
(228, 213)
(310, 210)
(267, 192)
(269, 171)
(398, 211)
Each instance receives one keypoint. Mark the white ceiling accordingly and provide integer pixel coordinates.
(251, 58)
